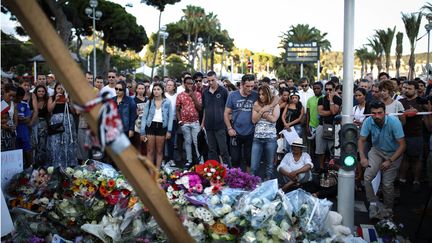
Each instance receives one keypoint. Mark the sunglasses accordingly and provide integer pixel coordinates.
(111, 76)
(328, 89)
(198, 80)
(117, 89)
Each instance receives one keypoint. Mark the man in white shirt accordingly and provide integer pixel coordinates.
(42, 80)
(305, 91)
(110, 87)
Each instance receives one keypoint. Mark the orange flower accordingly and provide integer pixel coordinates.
(132, 201)
(75, 188)
(111, 183)
(219, 228)
(103, 191)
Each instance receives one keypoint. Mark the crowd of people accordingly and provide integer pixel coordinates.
(201, 117)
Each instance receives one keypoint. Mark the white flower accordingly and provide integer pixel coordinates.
(218, 177)
(226, 209)
(284, 225)
(230, 218)
(69, 171)
(50, 169)
(214, 200)
(44, 200)
(200, 227)
(205, 169)
(248, 237)
(78, 174)
(261, 236)
(209, 174)
(212, 170)
(226, 199)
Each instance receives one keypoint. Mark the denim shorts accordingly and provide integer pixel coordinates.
(156, 129)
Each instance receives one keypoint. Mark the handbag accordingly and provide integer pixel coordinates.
(56, 128)
(328, 132)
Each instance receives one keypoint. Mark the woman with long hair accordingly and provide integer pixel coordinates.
(61, 146)
(156, 124)
(171, 94)
(140, 100)
(293, 114)
(264, 117)
(39, 131)
(283, 102)
(358, 110)
(126, 107)
(229, 86)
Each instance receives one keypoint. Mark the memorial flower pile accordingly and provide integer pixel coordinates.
(214, 203)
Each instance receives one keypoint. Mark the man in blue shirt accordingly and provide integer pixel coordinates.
(238, 109)
(388, 145)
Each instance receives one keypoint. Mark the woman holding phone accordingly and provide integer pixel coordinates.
(61, 145)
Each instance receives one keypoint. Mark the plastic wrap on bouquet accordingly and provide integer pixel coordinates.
(223, 203)
(259, 205)
(310, 211)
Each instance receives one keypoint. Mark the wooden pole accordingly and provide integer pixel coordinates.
(43, 35)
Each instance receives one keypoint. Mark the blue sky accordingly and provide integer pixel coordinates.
(258, 25)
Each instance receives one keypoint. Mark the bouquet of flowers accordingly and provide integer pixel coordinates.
(387, 228)
(212, 171)
(236, 178)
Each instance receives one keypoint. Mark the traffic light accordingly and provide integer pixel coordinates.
(348, 137)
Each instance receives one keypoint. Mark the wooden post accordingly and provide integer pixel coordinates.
(43, 35)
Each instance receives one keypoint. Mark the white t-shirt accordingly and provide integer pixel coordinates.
(107, 88)
(395, 107)
(290, 164)
(172, 99)
(158, 115)
(358, 113)
(304, 96)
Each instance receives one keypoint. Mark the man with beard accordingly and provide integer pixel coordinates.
(388, 145)
(413, 130)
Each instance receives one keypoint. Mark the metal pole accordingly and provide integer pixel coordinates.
(164, 57)
(232, 68)
(94, 45)
(35, 72)
(301, 70)
(428, 57)
(88, 63)
(155, 54)
(346, 178)
(318, 69)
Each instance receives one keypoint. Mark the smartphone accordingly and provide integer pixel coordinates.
(62, 99)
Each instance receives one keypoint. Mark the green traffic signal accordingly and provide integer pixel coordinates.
(349, 161)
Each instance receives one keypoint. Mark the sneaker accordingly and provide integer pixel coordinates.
(188, 165)
(416, 187)
(171, 163)
(373, 211)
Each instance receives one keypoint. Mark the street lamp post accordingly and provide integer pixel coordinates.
(94, 15)
(164, 36)
(428, 27)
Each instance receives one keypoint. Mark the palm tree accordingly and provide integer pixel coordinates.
(412, 25)
(192, 23)
(399, 38)
(361, 54)
(378, 49)
(427, 7)
(302, 33)
(386, 40)
(371, 57)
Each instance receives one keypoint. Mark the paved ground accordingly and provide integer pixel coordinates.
(407, 212)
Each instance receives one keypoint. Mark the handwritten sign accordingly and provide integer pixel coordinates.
(6, 220)
(11, 164)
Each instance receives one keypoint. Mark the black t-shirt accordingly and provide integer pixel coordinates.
(293, 114)
(414, 125)
(326, 104)
(214, 107)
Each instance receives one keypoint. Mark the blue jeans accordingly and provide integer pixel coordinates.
(190, 134)
(266, 146)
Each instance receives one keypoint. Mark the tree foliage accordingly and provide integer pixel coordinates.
(159, 4)
(15, 52)
(386, 37)
(399, 38)
(412, 25)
